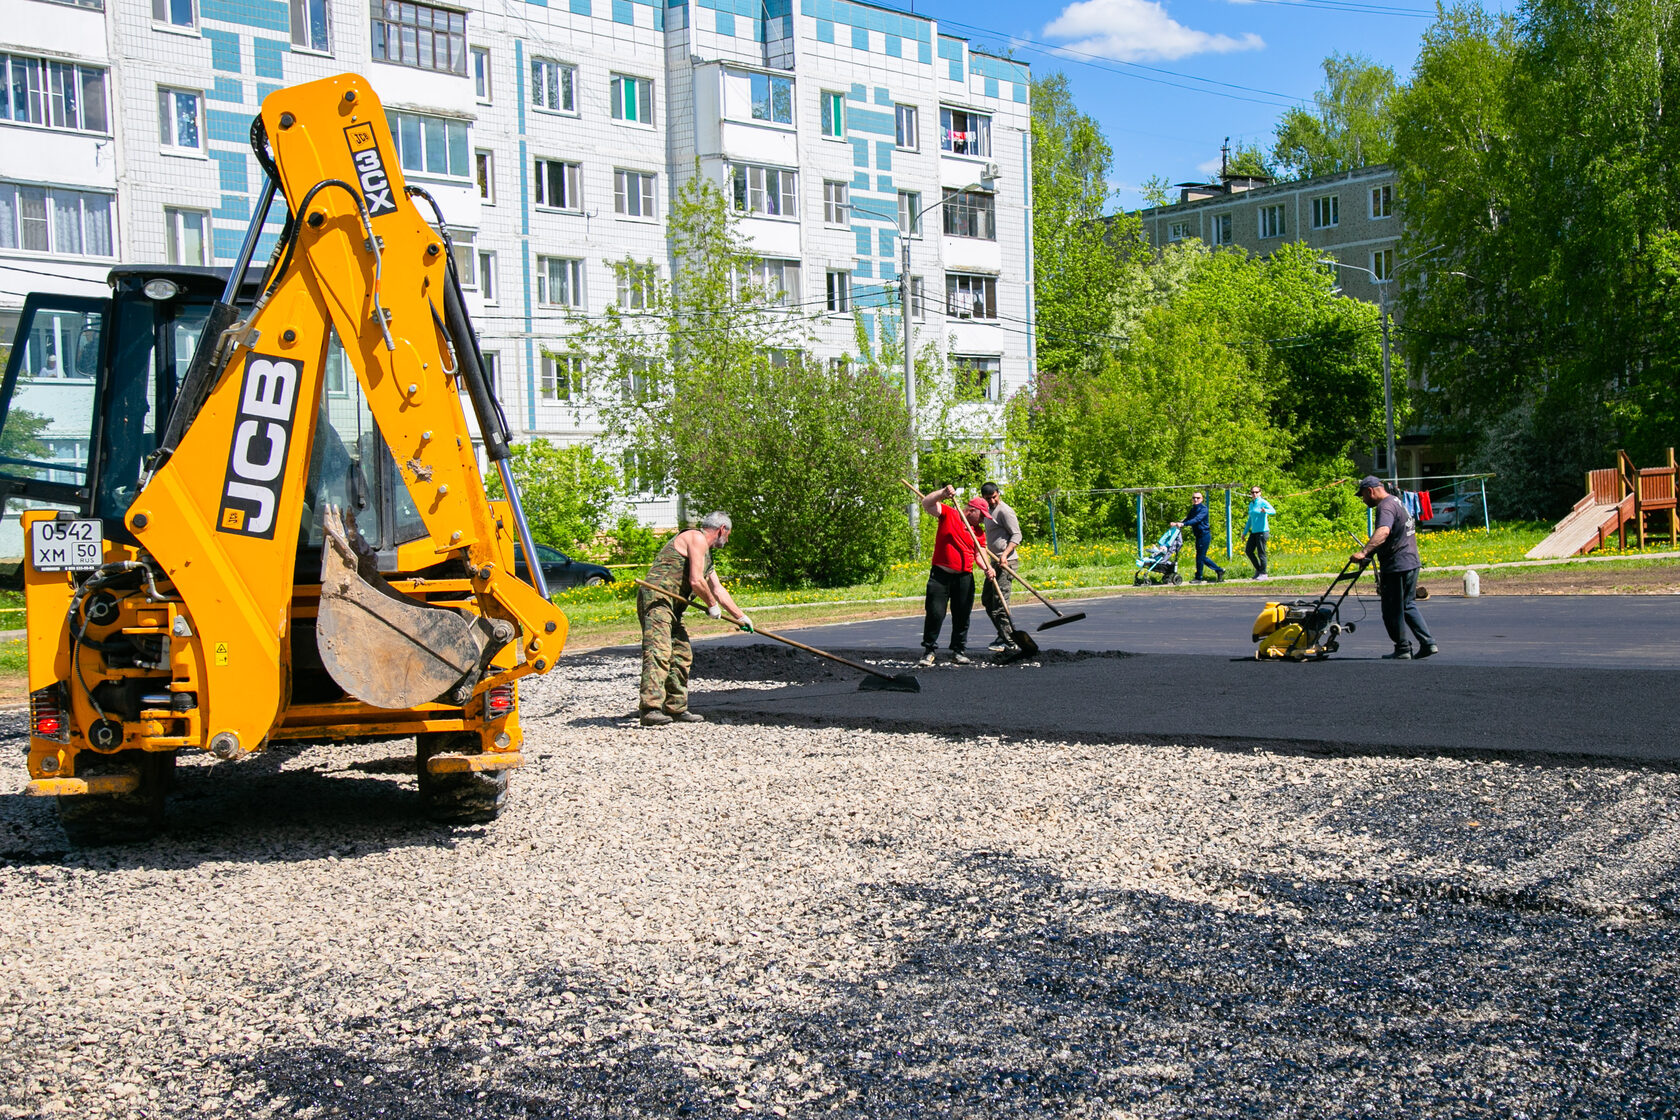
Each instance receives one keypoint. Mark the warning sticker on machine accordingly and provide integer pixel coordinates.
(220, 653)
(370, 169)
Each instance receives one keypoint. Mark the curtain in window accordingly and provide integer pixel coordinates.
(96, 228)
(32, 218)
(66, 222)
(8, 217)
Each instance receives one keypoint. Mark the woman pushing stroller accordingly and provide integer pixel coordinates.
(1197, 522)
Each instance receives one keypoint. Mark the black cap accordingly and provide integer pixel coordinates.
(1369, 482)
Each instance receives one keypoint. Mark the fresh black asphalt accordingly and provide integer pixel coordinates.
(1588, 675)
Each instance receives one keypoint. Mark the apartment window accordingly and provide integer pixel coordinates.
(632, 99)
(176, 13)
(833, 114)
(772, 99)
(777, 279)
(487, 275)
(918, 298)
(1382, 265)
(484, 172)
(560, 282)
(1219, 229)
(553, 86)
(640, 477)
(910, 213)
(53, 94)
(465, 257)
(963, 133)
(978, 379)
(970, 214)
(559, 184)
(430, 145)
(837, 209)
(420, 35)
(1178, 231)
(310, 30)
(1326, 211)
(178, 119)
(841, 366)
(1271, 221)
(637, 289)
(562, 377)
(769, 191)
(186, 235)
(907, 133)
(839, 292)
(633, 194)
(51, 220)
(1382, 201)
(971, 297)
(481, 73)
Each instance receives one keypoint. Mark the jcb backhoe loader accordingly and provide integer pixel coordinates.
(255, 508)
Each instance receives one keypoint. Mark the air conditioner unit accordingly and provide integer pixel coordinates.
(991, 171)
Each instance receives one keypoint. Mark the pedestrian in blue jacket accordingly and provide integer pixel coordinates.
(1197, 522)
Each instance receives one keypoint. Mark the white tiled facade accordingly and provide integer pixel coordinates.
(170, 157)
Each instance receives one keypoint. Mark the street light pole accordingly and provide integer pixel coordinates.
(1388, 389)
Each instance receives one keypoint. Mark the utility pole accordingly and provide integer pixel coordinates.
(1388, 390)
(910, 385)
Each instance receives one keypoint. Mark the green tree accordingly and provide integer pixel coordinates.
(1156, 191)
(567, 492)
(1249, 160)
(708, 384)
(1350, 125)
(21, 437)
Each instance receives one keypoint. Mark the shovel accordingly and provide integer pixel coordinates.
(876, 681)
(1024, 641)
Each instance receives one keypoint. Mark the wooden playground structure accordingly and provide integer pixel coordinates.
(1615, 496)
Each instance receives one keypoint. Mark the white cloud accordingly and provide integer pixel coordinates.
(1210, 167)
(1137, 31)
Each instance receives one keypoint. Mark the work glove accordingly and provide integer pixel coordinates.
(714, 611)
(746, 624)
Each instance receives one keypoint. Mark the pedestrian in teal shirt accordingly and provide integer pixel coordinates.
(1259, 531)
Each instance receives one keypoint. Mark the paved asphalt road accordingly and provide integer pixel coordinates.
(1594, 675)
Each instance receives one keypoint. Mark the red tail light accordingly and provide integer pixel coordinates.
(46, 714)
(499, 701)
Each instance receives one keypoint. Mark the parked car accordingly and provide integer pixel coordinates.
(562, 571)
(1452, 510)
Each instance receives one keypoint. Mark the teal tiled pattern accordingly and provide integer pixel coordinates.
(270, 60)
(268, 15)
(224, 50)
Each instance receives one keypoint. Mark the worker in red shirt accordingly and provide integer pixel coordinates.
(951, 579)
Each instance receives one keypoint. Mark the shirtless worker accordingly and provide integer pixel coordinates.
(683, 567)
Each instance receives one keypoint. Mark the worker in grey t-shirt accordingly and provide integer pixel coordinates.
(1003, 538)
(1394, 543)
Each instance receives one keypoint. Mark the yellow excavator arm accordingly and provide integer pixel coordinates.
(222, 508)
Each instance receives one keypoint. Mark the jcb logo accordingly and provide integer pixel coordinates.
(370, 170)
(262, 435)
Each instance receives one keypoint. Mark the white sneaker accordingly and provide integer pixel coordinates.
(1261, 576)
(960, 658)
(926, 662)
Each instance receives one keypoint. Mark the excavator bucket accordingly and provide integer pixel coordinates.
(383, 647)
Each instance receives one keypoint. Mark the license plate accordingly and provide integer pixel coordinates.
(67, 546)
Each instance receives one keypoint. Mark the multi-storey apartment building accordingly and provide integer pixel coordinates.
(553, 135)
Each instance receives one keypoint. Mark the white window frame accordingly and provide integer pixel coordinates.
(569, 273)
(557, 78)
(483, 75)
(837, 203)
(1219, 228)
(560, 378)
(764, 192)
(1327, 211)
(422, 170)
(175, 219)
(641, 103)
(488, 282)
(989, 364)
(1382, 202)
(973, 209)
(976, 130)
(910, 214)
(45, 104)
(918, 298)
(959, 285)
(492, 373)
(907, 120)
(767, 109)
(831, 114)
(169, 119)
(390, 45)
(484, 175)
(638, 205)
(637, 286)
(163, 15)
(304, 27)
(1178, 231)
(1269, 221)
(1382, 265)
(571, 183)
(54, 203)
(838, 292)
(779, 278)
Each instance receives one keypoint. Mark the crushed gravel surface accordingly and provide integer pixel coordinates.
(710, 920)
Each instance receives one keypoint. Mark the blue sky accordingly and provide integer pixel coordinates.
(1168, 80)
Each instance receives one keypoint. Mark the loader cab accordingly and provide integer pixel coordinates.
(89, 382)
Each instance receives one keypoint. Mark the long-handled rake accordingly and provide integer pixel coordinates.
(876, 681)
(1060, 619)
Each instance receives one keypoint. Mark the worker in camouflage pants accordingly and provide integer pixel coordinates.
(683, 568)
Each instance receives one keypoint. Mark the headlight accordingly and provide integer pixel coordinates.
(161, 289)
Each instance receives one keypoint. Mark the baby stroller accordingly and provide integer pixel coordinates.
(1160, 563)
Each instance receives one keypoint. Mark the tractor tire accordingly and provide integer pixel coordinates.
(468, 797)
(94, 819)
